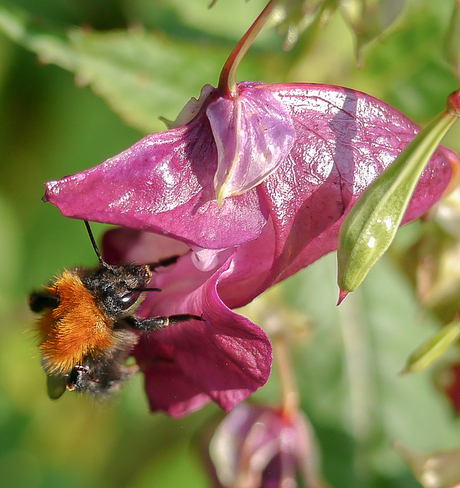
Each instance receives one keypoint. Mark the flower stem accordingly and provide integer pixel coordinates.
(227, 81)
(289, 392)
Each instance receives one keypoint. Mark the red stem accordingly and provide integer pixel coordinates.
(227, 81)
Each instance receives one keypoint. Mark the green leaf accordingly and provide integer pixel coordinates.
(371, 225)
(433, 348)
(141, 75)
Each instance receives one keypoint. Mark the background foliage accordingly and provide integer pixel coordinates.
(53, 123)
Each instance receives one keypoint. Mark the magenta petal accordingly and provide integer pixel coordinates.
(251, 266)
(345, 139)
(253, 133)
(131, 246)
(163, 184)
(223, 358)
(170, 391)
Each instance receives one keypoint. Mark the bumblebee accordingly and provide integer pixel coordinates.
(87, 326)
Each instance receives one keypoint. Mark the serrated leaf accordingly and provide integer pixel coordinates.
(141, 75)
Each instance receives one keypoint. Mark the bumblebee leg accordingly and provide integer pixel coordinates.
(157, 323)
(39, 301)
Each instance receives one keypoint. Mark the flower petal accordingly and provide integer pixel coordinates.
(344, 141)
(253, 133)
(163, 184)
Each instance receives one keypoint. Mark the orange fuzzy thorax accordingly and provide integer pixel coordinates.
(75, 329)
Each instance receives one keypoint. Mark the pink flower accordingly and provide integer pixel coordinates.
(259, 447)
(315, 148)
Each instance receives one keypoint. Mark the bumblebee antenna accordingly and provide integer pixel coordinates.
(93, 242)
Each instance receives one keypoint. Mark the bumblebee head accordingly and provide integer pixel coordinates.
(118, 289)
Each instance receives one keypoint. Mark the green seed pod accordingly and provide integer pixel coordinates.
(433, 348)
(371, 225)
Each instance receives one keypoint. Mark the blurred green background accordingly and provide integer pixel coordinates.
(53, 124)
